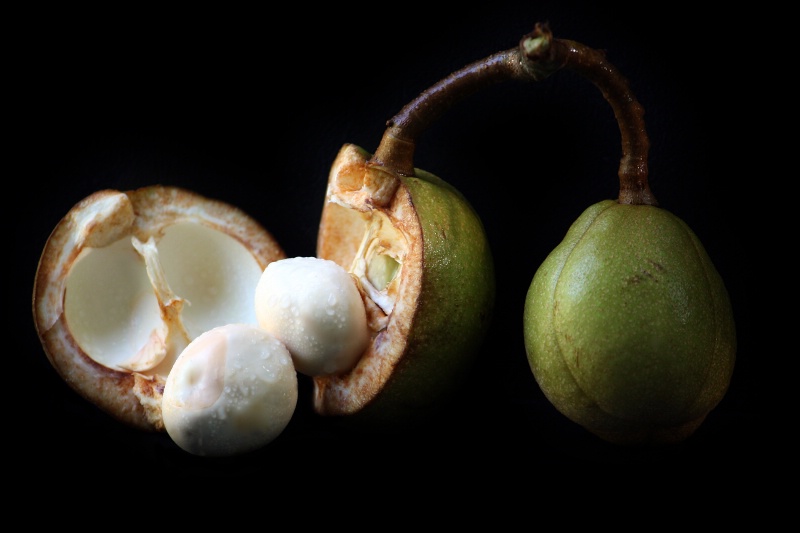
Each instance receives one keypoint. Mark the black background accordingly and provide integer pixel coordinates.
(251, 107)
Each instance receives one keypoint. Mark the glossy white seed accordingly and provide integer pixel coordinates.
(232, 390)
(314, 307)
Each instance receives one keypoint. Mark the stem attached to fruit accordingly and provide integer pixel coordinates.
(396, 149)
(537, 57)
(539, 46)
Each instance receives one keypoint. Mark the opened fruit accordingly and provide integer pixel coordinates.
(127, 280)
(421, 258)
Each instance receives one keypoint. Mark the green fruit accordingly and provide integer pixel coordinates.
(423, 264)
(628, 326)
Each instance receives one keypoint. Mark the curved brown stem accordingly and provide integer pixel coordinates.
(593, 65)
(537, 57)
(396, 149)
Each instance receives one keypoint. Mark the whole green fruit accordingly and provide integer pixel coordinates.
(628, 326)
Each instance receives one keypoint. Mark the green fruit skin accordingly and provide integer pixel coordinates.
(628, 327)
(455, 306)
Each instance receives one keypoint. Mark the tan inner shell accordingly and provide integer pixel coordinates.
(379, 258)
(135, 305)
(380, 245)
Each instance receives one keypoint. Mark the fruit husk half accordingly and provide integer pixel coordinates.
(115, 254)
(628, 326)
(425, 269)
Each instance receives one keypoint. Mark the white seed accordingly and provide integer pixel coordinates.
(314, 307)
(232, 390)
